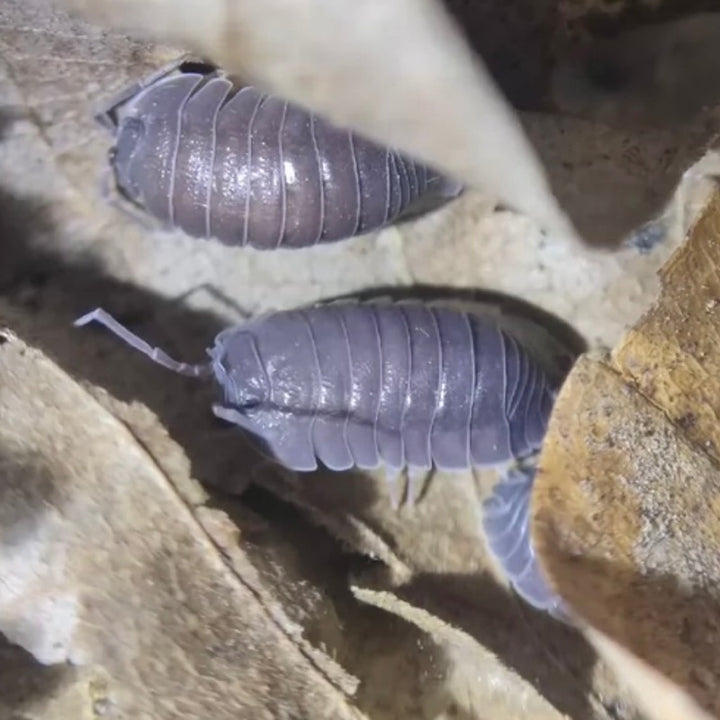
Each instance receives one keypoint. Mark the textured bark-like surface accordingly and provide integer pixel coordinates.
(673, 354)
(625, 506)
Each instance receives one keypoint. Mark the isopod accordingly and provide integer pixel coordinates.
(223, 160)
(403, 384)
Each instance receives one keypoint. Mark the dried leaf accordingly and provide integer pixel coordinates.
(660, 699)
(613, 181)
(626, 503)
(439, 576)
(659, 74)
(622, 181)
(498, 691)
(673, 353)
(106, 566)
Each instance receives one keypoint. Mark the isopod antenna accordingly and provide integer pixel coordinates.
(156, 354)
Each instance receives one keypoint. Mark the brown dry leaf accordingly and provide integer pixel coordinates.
(108, 565)
(673, 353)
(656, 74)
(626, 505)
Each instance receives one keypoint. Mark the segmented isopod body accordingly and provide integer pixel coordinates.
(230, 162)
(400, 384)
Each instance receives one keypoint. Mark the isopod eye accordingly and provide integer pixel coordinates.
(130, 133)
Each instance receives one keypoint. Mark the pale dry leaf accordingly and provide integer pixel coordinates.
(106, 566)
(660, 699)
(499, 634)
(29, 691)
(268, 566)
(399, 72)
(499, 692)
(625, 506)
(58, 68)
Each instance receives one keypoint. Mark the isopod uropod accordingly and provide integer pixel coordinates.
(221, 160)
(404, 384)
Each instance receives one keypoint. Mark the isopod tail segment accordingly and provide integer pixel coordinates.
(506, 523)
(405, 385)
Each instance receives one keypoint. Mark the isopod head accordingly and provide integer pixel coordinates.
(134, 120)
(238, 370)
(234, 364)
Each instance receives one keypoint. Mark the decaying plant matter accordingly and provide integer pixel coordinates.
(625, 507)
(303, 593)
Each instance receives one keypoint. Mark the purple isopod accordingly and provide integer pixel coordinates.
(222, 160)
(401, 384)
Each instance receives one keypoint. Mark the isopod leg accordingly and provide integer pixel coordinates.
(410, 492)
(232, 415)
(419, 480)
(506, 523)
(396, 488)
(217, 295)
